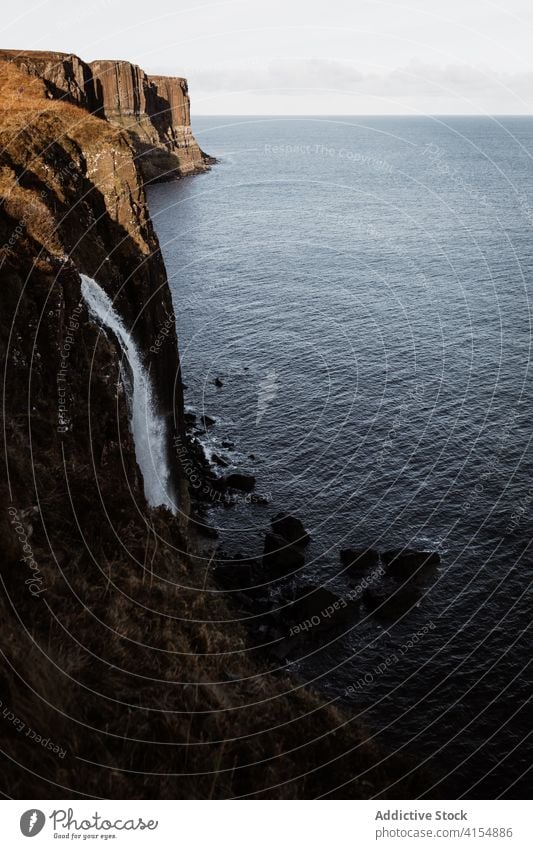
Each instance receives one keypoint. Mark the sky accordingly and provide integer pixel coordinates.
(290, 57)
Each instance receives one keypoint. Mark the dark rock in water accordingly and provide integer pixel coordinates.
(281, 557)
(227, 444)
(237, 480)
(407, 563)
(319, 607)
(220, 461)
(251, 456)
(290, 528)
(189, 419)
(218, 382)
(359, 560)
(283, 548)
(207, 421)
(390, 600)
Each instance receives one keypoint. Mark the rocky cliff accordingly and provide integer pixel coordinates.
(154, 110)
(126, 673)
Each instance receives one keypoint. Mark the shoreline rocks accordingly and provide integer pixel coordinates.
(404, 574)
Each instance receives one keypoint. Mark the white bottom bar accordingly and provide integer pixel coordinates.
(267, 824)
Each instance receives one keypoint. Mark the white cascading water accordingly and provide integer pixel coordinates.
(148, 428)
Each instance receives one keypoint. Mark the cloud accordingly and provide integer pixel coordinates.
(414, 80)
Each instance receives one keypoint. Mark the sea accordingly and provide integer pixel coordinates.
(360, 287)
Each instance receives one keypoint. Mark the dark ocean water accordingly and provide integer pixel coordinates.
(362, 287)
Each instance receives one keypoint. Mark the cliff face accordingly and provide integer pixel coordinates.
(73, 182)
(154, 110)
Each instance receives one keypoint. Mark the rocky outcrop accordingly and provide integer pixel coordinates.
(406, 563)
(155, 111)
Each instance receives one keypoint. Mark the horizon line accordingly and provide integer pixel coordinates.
(362, 115)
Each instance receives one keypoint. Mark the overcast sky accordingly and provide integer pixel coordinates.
(288, 57)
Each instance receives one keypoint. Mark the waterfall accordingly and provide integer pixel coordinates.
(148, 428)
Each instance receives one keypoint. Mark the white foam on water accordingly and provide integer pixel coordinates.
(148, 428)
